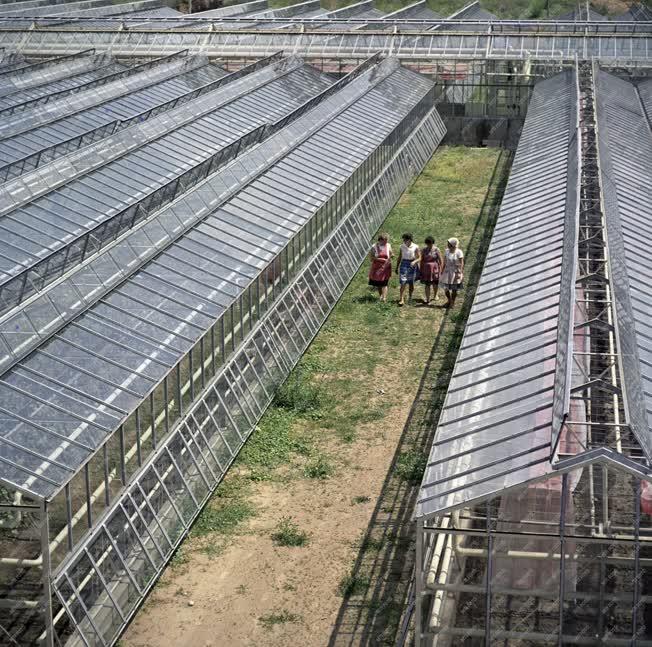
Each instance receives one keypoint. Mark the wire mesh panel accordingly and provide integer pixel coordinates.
(169, 491)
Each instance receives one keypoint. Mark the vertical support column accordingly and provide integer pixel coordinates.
(419, 570)
(562, 555)
(47, 590)
(637, 560)
(490, 546)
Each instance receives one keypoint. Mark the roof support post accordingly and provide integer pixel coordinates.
(47, 590)
(565, 493)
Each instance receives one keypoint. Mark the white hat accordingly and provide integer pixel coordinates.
(453, 242)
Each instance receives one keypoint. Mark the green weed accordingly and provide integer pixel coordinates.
(270, 620)
(299, 395)
(288, 533)
(179, 559)
(272, 444)
(353, 585)
(410, 466)
(373, 544)
(224, 518)
(319, 468)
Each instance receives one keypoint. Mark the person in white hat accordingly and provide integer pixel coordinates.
(452, 273)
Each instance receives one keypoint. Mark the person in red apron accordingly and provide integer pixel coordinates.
(430, 268)
(381, 265)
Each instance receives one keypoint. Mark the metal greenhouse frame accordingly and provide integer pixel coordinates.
(532, 519)
(121, 413)
(163, 225)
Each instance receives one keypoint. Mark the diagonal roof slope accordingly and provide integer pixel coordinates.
(64, 400)
(495, 427)
(626, 165)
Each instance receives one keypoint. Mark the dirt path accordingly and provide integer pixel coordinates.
(253, 578)
(344, 467)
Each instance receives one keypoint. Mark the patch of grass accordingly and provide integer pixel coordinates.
(241, 589)
(373, 544)
(180, 558)
(288, 533)
(270, 620)
(365, 359)
(319, 468)
(222, 518)
(272, 444)
(410, 466)
(299, 395)
(352, 585)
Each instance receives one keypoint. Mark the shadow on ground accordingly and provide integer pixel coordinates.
(379, 589)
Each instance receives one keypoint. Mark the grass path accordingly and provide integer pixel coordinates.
(310, 530)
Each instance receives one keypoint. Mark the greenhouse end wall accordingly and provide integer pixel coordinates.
(564, 561)
(100, 585)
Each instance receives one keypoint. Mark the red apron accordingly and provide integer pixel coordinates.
(381, 268)
(430, 265)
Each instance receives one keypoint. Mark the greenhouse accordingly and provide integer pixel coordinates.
(133, 371)
(173, 188)
(533, 512)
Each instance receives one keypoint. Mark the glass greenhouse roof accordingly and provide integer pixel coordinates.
(500, 413)
(105, 66)
(495, 427)
(67, 409)
(626, 140)
(212, 122)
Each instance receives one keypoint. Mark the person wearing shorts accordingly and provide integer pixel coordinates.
(452, 273)
(407, 267)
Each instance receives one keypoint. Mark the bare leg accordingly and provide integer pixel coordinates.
(411, 291)
(448, 299)
(401, 293)
(427, 294)
(383, 294)
(453, 297)
(435, 289)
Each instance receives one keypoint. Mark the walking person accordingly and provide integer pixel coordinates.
(407, 266)
(452, 273)
(430, 268)
(381, 265)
